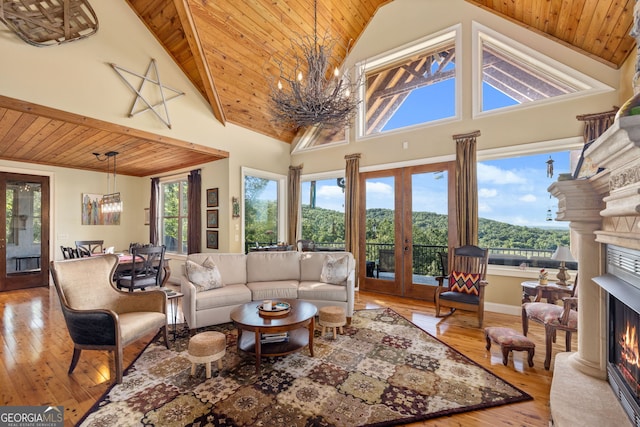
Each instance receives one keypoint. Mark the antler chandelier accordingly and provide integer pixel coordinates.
(311, 94)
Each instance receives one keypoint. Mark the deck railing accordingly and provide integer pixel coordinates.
(426, 258)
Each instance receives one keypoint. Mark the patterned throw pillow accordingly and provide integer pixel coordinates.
(206, 276)
(334, 270)
(467, 283)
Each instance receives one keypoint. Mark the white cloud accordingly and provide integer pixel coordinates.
(330, 191)
(484, 208)
(487, 192)
(379, 188)
(496, 175)
(529, 198)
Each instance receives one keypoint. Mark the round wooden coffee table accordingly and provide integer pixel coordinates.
(299, 323)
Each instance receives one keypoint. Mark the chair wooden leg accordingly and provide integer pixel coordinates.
(74, 359)
(525, 322)
(437, 307)
(567, 340)
(118, 357)
(480, 317)
(548, 335)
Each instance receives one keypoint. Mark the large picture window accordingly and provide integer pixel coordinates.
(174, 219)
(323, 212)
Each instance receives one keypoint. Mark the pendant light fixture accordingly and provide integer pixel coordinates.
(111, 202)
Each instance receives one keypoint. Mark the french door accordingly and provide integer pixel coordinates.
(24, 241)
(404, 221)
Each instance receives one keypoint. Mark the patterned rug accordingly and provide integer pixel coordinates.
(383, 371)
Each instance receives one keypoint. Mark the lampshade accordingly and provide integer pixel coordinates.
(563, 253)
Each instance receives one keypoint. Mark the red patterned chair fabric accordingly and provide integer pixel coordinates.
(554, 318)
(509, 340)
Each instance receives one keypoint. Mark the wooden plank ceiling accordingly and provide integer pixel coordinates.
(225, 48)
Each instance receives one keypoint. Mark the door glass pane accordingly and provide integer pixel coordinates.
(23, 226)
(380, 231)
(429, 224)
(261, 211)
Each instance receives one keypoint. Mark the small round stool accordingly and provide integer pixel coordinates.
(206, 347)
(332, 317)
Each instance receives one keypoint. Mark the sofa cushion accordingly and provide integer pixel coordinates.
(334, 269)
(314, 290)
(279, 289)
(205, 276)
(311, 264)
(223, 297)
(273, 266)
(233, 267)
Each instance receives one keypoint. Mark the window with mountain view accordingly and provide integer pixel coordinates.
(174, 219)
(263, 208)
(517, 213)
(323, 211)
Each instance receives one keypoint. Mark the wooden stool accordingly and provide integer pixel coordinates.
(206, 347)
(332, 317)
(509, 340)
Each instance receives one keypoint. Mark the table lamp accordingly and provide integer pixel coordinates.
(563, 254)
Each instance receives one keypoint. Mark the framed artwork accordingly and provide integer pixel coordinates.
(91, 213)
(146, 216)
(212, 239)
(212, 218)
(212, 198)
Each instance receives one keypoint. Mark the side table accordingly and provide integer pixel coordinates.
(173, 298)
(551, 292)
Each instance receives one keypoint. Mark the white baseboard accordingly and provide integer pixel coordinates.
(503, 308)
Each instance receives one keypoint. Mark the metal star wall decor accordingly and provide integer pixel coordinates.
(152, 106)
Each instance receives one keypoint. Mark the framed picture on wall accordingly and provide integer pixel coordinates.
(212, 198)
(212, 218)
(212, 239)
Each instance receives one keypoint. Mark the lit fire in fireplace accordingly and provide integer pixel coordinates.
(629, 346)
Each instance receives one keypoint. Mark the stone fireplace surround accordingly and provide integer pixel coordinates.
(602, 210)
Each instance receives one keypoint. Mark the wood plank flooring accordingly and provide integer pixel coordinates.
(35, 350)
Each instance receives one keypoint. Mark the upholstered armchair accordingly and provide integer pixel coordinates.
(554, 318)
(100, 317)
(467, 280)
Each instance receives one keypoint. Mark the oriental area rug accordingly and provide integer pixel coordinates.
(382, 371)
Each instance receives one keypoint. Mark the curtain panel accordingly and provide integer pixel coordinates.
(352, 205)
(293, 208)
(154, 235)
(194, 215)
(467, 188)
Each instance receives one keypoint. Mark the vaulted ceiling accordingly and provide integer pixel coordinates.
(224, 47)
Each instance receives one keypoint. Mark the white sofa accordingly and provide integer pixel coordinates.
(265, 275)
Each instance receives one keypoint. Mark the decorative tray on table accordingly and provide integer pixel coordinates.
(278, 308)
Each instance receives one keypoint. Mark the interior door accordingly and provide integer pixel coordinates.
(404, 225)
(24, 242)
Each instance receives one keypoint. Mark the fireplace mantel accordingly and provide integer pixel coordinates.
(603, 210)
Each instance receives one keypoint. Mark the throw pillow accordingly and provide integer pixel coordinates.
(467, 283)
(204, 277)
(334, 270)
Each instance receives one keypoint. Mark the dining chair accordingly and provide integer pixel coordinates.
(98, 316)
(87, 248)
(386, 262)
(146, 268)
(306, 245)
(466, 284)
(553, 317)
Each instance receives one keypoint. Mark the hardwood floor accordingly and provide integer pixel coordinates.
(36, 350)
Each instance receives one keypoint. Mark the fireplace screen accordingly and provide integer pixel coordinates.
(624, 352)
